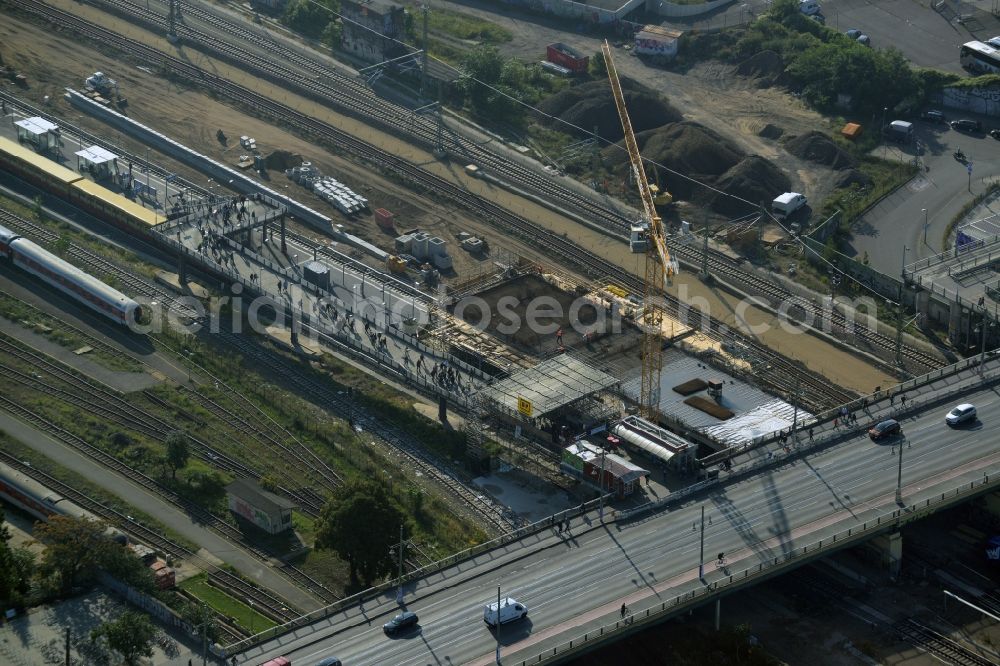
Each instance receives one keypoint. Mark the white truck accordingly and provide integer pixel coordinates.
(787, 204)
(510, 611)
(809, 7)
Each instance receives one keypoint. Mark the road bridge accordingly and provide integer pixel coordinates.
(574, 582)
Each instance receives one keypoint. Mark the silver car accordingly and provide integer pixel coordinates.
(961, 414)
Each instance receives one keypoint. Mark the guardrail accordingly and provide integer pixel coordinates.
(434, 567)
(659, 612)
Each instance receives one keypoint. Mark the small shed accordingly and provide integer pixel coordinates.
(588, 463)
(268, 511)
(656, 40)
(851, 131)
(39, 132)
(99, 162)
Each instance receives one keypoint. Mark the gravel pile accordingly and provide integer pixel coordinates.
(819, 148)
(592, 105)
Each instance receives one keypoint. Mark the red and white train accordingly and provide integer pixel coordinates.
(69, 279)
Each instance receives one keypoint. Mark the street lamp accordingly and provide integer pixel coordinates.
(925, 225)
(251, 616)
(982, 343)
(899, 476)
(885, 110)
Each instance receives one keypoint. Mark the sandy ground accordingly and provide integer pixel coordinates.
(524, 494)
(53, 61)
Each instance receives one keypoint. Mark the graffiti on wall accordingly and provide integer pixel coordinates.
(975, 100)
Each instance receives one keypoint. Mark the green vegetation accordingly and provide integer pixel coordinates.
(131, 636)
(462, 26)
(17, 567)
(361, 523)
(498, 87)
(852, 202)
(42, 323)
(246, 617)
(178, 452)
(310, 17)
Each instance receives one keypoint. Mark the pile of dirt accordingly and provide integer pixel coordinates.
(819, 148)
(754, 179)
(691, 386)
(702, 154)
(853, 177)
(765, 66)
(770, 131)
(280, 160)
(591, 105)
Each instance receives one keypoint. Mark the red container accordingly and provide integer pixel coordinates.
(383, 219)
(567, 57)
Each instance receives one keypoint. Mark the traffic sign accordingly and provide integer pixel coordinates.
(524, 406)
(969, 168)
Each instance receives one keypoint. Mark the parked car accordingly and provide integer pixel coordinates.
(966, 125)
(865, 40)
(400, 622)
(886, 428)
(932, 116)
(995, 133)
(961, 414)
(994, 42)
(854, 33)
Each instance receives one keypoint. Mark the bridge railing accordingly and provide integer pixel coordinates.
(389, 586)
(725, 578)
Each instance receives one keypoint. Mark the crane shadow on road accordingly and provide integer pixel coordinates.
(643, 579)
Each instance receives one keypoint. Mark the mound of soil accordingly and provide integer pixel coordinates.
(766, 66)
(592, 105)
(770, 131)
(709, 407)
(754, 179)
(852, 177)
(700, 153)
(691, 386)
(280, 160)
(819, 148)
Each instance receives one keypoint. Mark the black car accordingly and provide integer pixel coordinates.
(967, 125)
(885, 429)
(400, 622)
(932, 116)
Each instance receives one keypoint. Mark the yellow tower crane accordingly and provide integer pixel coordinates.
(659, 266)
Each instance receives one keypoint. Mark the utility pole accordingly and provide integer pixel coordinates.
(595, 158)
(701, 550)
(600, 497)
(795, 414)
(67, 646)
(399, 587)
(498, 624)
(982, 345)
(899, 315)
(205, 615)
(899, 477)
(925, 226)
(423, 69)
(704, 251)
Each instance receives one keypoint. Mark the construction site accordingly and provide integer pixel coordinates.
(580, 334)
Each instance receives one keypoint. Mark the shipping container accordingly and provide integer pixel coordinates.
(567, 56)
(384, 219)
(657, 41)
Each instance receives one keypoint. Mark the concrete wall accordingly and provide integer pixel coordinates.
(677, 11)
(570, 9)
(975, 100)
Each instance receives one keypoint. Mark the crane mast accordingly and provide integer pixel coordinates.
(659, 265)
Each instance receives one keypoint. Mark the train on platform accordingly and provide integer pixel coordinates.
(41, 502)
(92, 197)
(67, 278)
(73, 188)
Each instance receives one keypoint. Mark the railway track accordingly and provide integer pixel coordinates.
(815, 392)
(82, 399)
(937, 644)
(271, 605)
(331, 86)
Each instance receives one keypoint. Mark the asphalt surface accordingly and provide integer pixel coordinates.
(576, 582)
(943, 189)
(214, 545)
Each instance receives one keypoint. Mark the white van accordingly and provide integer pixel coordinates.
(809, 7)
(786, 205)
(510, 611)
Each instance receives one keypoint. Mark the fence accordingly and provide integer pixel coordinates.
(435, 567)
(821, 419)
(730, 581)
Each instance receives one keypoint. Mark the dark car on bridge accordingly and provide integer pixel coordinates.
(400, 622)
(886, 428)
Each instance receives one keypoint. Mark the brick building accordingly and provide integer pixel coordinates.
(369, 29)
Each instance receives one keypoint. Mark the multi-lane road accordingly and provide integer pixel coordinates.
(574, 582)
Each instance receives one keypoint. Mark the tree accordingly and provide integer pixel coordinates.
(493, 83)
(178, 451)
(310, 17)
(361, 523)
(74, 548)
(16, 568)
(131, 636)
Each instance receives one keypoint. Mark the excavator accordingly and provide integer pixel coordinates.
(660, 266)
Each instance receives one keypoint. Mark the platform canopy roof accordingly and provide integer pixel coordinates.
(553, 383)
(37, 126)
(96, 155)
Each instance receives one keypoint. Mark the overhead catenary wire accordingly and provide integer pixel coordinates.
(465, 75)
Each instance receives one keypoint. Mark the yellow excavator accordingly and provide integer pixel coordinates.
(660, 267)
